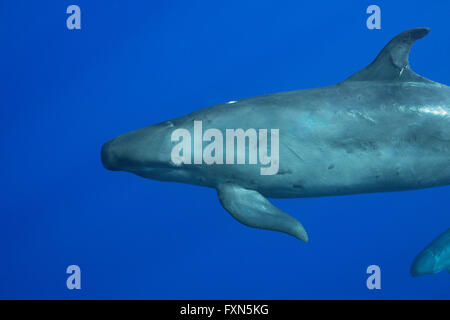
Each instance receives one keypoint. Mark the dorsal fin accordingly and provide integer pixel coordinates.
(392, 62)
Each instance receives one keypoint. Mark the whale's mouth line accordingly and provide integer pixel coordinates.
(152, 167)
(144, 168)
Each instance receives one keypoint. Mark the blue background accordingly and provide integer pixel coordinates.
(135, 63)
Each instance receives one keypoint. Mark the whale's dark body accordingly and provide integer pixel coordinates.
(383, 129)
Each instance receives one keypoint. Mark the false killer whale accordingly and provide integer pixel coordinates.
(383, 129)
(434, 258)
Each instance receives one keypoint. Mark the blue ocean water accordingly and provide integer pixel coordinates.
(135, 63)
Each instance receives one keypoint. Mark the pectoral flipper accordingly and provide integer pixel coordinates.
(252, 209)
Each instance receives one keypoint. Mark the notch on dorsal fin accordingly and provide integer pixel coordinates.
(392, 62)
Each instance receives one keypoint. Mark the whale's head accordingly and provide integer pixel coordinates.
(145, 152)
(424, 263)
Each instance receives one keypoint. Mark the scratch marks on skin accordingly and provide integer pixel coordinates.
(434, 110)
(283, 172)
(358, 114)
(294, 152)
(353, 145)
(437, 111)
